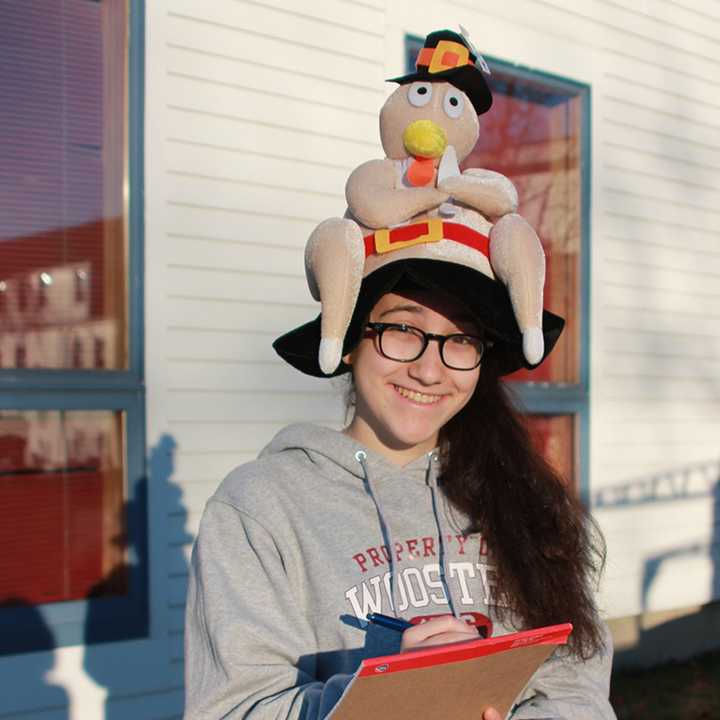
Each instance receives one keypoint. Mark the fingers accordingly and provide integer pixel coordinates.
(491, 714)
(437, 631)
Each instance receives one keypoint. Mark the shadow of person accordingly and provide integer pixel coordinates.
(33, 668)
(128, 578)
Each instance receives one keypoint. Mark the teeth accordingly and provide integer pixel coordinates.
(416, 396)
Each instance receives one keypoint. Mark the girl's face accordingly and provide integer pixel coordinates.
(400, 407)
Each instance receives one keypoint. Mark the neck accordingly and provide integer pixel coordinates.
(395, 452)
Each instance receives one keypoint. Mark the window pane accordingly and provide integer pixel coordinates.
(532, 135)
(63, 288)
(62, 500)
(554, 437)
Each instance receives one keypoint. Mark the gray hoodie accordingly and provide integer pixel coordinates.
(295, 548)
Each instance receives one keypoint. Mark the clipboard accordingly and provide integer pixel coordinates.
(449, 682)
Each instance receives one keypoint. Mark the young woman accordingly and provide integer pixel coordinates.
(431, 505)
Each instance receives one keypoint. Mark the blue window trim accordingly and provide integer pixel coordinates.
(558, 398)
(127, 617)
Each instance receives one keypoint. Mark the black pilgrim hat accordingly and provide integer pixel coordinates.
(449, 57)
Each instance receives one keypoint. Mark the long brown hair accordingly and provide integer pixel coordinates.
(547, 550)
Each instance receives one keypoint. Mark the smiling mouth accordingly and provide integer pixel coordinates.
(417, 397)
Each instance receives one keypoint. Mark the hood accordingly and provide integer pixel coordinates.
(336, 454)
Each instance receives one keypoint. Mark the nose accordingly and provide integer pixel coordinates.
(428, 369)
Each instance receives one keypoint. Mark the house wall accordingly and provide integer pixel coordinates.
(256, 112)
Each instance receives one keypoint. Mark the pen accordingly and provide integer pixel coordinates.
(392, 623)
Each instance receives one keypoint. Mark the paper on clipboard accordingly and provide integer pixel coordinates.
(449, 681)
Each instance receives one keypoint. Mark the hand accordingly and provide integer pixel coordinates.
(491, 714)
(438, 631)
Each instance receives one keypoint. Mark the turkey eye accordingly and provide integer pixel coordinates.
(420, 93)
(453, 103)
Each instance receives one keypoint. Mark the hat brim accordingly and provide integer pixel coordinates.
(468, 79)
(487, 299)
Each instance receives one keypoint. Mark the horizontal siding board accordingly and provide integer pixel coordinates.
(254, 74)
(695, 111)
(655, 141)
(190, 221)
(613, 26)
(649, 253)
(263, 406)
(239, 437)
(651, 231)
(278, 377)
(222, 346)
(647, 361)
(659, 322)
(289, 27)
(249, 254)
(271, 171)
(670, 122)
(662, 300)
(644, 349)
(361, 16)
(628, 434)
(254, 47)
(236, 285)
(644, 388)
(249, 106)
(628, 20)
(234, 198)
(205, 468)
(276, 135)
(674, 181)
(271, 315)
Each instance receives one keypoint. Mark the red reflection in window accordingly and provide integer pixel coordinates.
(532, 135)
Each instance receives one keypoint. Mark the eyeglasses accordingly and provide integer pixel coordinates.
(405, 343)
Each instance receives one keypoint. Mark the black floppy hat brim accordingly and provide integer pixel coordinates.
(468, 78)
(487, 299)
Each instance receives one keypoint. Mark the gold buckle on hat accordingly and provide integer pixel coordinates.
(442, 57)
(433, 234)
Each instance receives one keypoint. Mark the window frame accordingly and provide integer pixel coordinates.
(127, 617)
(545, 398)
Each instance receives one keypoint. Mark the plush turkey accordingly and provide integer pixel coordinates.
(415, 203)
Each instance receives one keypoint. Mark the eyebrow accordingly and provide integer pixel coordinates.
(416, 309)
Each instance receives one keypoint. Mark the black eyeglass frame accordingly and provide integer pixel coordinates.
(380, 328)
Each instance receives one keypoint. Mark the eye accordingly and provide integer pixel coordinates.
(420, 93)
(454, 103)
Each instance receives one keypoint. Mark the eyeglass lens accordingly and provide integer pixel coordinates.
(404, 343)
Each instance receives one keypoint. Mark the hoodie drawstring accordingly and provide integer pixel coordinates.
(431, 479)
(361, 457)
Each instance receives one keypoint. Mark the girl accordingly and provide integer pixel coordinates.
(431, 505)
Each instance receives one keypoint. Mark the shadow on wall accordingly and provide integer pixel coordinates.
(37, 665)
(688, 634)
(161, 468)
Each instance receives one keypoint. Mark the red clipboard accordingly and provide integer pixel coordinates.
(449, 681)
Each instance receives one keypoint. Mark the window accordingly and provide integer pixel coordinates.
(538, 134)
(71, 385)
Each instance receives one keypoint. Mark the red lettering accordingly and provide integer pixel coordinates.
(398, 550)
(386, 553)
(483, 547)
(375, 556)
(361, 561)
(462, 540)
(411, 545)
(428, 546)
